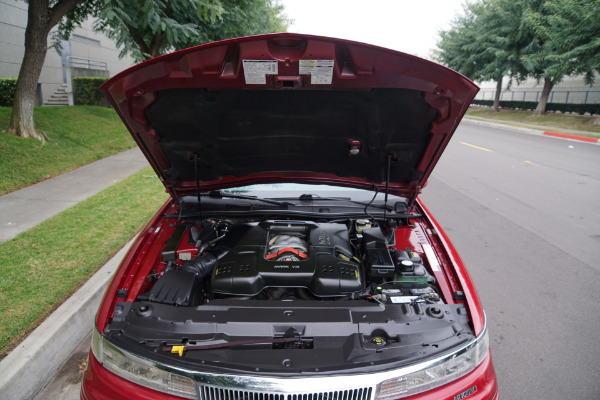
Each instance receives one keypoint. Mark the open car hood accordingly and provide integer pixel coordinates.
(290, 108)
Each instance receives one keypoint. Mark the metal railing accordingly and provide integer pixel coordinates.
(77, 62)
(556, 96)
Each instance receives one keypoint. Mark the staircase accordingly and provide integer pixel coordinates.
(59, 98)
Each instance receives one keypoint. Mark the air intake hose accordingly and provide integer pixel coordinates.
(201, 265)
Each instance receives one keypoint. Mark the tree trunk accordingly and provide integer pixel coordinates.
(36, 45)
(40, 19)
(541, 107)
(496, 106)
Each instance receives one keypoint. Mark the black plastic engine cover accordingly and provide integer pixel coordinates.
(325, 272)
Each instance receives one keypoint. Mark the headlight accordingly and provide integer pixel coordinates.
(446, 371)
(140, 371)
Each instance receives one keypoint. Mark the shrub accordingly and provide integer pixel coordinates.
(85, 91)
(531, 105)
(7, 91)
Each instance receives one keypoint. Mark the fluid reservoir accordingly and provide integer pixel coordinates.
(410, 269)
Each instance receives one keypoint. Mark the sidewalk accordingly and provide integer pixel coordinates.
(23, 209)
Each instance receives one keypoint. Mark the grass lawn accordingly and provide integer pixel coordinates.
(562, 122)
(41, 267)
(76, 136)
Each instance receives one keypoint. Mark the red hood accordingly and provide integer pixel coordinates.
(290, 108)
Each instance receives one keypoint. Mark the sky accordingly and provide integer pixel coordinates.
(410, 26)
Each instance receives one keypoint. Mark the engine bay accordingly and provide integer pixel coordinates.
(326, 293)
(288, 260)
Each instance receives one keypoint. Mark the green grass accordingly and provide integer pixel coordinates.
(41, 267)
(561, 122)
(76, 136)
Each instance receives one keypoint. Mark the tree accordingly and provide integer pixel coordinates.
(545, 40)
(42, 16)
(564, 39)
(453, 47)
(148, 28)
(483, 43)
(243, 18)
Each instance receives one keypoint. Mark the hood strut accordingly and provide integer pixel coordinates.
(170, 177)
(197, 179)
(387, 184)
(414, 198)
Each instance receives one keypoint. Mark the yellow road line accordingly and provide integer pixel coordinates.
(477, 147)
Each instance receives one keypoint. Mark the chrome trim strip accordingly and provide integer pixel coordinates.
(303, 384)
(430, 254)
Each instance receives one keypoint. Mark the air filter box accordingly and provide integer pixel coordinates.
(379, 261)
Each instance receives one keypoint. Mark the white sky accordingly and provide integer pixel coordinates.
(410, 26)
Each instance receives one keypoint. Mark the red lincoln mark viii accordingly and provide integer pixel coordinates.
(294, 260)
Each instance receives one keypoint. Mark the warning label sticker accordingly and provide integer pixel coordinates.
(321, 71)
(402, 299)
(256, 71)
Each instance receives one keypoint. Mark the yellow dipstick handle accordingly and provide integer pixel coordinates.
(178, 350)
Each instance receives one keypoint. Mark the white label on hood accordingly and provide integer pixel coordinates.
(321, 71)
(256, 71)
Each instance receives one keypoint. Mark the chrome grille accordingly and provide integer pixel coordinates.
(355, 394)
(216, 393)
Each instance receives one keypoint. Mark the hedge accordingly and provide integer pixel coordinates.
(85, 91)
(531, 105)
(7, 91)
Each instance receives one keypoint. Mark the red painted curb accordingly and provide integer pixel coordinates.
(574, 137)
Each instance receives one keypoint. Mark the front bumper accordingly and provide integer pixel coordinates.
(101, 384)
(475, 383)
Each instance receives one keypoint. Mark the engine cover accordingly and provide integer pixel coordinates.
(290, 254)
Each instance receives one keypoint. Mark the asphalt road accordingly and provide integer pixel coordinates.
(524, 213)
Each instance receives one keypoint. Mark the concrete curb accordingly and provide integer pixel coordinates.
(572, 137)
(33, 363)
(531, 131)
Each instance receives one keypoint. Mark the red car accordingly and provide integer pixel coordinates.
(294, 260)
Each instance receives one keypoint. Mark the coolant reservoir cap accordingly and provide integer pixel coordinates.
(407, 265)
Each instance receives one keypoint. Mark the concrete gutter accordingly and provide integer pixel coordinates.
(523, 129)
(542, 130)
(33, 363)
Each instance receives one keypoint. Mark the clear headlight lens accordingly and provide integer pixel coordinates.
(437, 375)
(141, 371)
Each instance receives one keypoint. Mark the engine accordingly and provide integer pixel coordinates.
(286, 260)
(284, 254)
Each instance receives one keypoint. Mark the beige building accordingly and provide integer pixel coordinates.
(86, 53)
